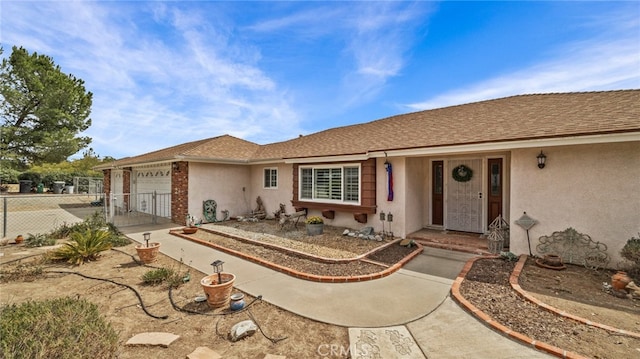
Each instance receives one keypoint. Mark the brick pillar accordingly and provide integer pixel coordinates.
(126, 180)
(106, 183)
(179, 192)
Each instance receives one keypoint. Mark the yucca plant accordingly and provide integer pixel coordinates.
(83, 246)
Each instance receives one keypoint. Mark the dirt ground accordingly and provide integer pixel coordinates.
(293, 336)
(574, 290)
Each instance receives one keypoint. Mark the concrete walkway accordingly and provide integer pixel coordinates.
(416, 296)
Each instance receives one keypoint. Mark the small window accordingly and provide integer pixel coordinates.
(270, 178)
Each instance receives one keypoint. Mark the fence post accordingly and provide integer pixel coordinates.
(4, 216)
(154, 206)
(112, 205)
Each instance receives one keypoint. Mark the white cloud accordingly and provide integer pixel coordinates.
(181, 82)
(375, 36)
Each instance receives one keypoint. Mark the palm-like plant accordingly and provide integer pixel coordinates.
(83, 246)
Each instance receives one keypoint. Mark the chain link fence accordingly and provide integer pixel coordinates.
(41, 213)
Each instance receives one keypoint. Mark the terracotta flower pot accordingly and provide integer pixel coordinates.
(553, 260)
(19, 239)
(148, 254)
(218, 294)
(620, 280)
(189, 230)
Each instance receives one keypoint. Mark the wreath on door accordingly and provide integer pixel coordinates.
(462, 173)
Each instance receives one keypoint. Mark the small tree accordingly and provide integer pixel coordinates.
(43, 110)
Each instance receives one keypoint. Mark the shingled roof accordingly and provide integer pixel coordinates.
(522, 117)
(224, 148)
(508, 119)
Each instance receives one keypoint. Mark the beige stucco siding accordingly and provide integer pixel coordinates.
(222, 183)
(594, 189)
(398, 206)
(417, 199)
(271, 197)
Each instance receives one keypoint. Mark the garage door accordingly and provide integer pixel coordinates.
(153, 185)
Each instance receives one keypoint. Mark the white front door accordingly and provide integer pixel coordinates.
(464, 199)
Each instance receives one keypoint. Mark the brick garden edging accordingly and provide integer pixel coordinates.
(513, 280)
(490, 322)
(306, 276)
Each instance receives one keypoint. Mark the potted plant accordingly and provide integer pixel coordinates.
(148, 252)
(191, 227)
(315, 225)
(218, 286)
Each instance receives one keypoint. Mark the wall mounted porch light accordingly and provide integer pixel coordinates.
(542, 159)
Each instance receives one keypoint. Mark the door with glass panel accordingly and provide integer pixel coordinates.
(494, 192)
(437, 193)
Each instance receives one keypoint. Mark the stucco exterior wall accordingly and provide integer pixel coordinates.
(594, 189)
(416, 199)
(271, 197)
(400, 196)
(222, 183)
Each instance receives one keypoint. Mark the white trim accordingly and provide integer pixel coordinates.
(263, 177)
(420, 151)
(509, 145)
(342, 166)
(325, 159)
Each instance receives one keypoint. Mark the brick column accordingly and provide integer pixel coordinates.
(106, 183)
(179, 192)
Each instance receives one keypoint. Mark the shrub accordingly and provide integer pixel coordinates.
(21, 272)
(62, 231)
(8, 175)
(57, 328)
(118, 240)
(30, 176)
(39, 240)
(83, 247)
(95, 221)
(160, 275)
(631, 250)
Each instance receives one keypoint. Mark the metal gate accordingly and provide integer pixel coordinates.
(130, 209)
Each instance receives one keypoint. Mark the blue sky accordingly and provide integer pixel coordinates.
(165, 73)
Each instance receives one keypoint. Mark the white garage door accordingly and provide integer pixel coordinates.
(153, 184)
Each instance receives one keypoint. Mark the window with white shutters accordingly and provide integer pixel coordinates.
(332, 184)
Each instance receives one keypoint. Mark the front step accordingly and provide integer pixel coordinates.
(453, 247)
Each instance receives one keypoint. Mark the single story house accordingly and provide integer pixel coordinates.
(454, 168)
